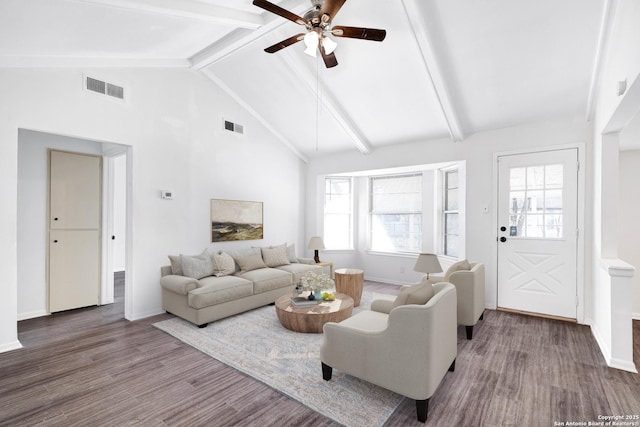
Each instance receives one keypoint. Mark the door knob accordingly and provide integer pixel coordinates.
(503, 228)
(503, 239)
(55, 219)
(55, 241)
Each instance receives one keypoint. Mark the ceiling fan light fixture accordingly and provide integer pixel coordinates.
(329, 45)
(311, 41)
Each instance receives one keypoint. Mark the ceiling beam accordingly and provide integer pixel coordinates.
(240, 38)
(254, 113)
(432, 67)
(606, 25)
(187, 9)
(320, 92)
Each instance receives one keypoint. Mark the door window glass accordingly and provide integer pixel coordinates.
(535, 201)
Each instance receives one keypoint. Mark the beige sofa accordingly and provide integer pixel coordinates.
(405, 345)
(214, 285)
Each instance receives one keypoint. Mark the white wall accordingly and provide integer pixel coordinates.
(172, 121)
(611, 276)
(478, 151)
(629, 196)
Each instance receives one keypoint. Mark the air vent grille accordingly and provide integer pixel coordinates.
(96, 85)
(115, 91)
(104, 88)
(233, 127)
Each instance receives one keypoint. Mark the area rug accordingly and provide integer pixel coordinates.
(256, 344)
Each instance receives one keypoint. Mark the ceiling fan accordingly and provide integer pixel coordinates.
(317, 21)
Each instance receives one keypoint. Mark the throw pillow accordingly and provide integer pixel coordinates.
(419, 293)
(238, 253)
(250, 262)
(223, 264)
(176, 265)
(291, 253)
(198, 266)
(275, 256)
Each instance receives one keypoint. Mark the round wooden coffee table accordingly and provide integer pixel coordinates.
(310, 319)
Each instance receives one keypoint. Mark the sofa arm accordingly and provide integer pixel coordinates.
(306, 261)
(179, 284)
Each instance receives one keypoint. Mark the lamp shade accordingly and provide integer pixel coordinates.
(316, 243)
(328, 45)
(311, 41)
(428, 263)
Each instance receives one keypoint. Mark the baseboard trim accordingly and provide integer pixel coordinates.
(387, 281)
(544, 316)
(15, 345)
(32, 315)
(623, 365)
(144, 315)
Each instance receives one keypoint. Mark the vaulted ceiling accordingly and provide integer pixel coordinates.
(447, 68)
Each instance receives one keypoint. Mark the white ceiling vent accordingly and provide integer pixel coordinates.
(233, 127)
(104, 88)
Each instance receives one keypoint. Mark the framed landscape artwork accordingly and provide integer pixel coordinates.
(235, 220)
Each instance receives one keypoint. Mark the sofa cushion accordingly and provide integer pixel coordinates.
(275, 256)
(291, 253)
(176, 265)
(198, 266)
(217, 290)
(223, 264)
(419, 293)
(250, 262)
(267, 279)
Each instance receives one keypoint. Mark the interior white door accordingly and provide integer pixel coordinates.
(74, 230)
(537, 232)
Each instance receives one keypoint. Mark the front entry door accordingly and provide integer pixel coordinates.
(537, 232)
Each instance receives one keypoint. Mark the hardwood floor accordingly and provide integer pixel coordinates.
(92, 367)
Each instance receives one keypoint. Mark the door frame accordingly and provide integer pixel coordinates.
(108, 154)
(580, 242)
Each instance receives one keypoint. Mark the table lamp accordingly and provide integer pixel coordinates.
(316, 244)
(428, 263)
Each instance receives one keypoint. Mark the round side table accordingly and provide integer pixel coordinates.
(350, 281)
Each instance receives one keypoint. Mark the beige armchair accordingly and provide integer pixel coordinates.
(400, 345)
(468, 278)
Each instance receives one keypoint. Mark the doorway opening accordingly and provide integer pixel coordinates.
(32, 238)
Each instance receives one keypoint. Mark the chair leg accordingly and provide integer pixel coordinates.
(469, 332)
(422, 409)
(453, 366)
(326, 372)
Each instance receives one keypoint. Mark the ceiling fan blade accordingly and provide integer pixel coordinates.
(359, 33)
(284, 43)
(330, 60)
(273, 8)
(331, 8)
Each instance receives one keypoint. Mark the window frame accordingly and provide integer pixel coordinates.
(371, 213)
(350, 213)
(445, 211)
